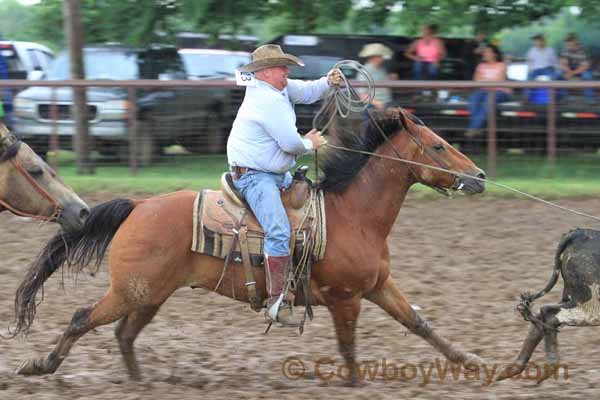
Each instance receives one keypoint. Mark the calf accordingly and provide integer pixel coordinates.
(578, 261)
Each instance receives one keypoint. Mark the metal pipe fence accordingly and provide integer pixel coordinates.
(133, 120)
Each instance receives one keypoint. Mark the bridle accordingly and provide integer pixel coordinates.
(11, 154)
(422, 148)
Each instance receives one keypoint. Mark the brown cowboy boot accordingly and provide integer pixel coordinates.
(279, 308)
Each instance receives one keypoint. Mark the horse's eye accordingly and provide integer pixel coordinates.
(438, 147)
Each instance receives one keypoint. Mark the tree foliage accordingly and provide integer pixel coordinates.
(137, 22)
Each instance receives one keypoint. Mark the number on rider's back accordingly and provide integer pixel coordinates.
(244, 78)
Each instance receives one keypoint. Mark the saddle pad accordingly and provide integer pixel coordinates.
(215, 217)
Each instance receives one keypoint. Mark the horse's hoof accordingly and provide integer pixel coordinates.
(31, 367)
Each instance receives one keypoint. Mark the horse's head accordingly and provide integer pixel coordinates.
(432, 150)
(29, 187)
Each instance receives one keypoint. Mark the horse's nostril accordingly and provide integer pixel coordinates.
(84, 213)
(481, 175)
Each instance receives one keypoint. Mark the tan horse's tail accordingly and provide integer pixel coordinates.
(77, 249)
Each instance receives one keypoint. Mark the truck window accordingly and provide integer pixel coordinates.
(35, 62)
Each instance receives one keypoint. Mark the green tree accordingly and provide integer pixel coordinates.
(14, 18)
(144, 21)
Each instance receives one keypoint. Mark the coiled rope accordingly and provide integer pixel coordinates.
(346, 101)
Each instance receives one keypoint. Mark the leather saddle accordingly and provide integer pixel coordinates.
(225, 227)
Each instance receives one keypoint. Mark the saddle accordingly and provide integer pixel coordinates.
(225, 227)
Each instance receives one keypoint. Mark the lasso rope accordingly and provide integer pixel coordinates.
(346, 101)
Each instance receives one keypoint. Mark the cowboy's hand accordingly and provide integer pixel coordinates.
(334, 77)
(316, 138)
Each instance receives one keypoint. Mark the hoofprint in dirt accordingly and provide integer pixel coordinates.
(463, 261)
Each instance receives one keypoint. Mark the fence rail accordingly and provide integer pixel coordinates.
(549, 127)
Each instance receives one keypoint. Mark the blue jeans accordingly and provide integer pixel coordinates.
(533, 74)
(261, 191)
(478, 106)
(423, 71)
(585, 76)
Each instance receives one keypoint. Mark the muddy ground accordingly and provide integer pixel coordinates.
(463, 261)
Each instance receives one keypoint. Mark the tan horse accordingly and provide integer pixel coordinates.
(30, 188)
(150, 256)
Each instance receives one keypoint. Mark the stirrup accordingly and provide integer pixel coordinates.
(272, 314)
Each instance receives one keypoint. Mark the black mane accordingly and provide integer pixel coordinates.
(340, 167)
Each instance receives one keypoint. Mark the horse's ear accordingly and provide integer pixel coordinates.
(6, 138)
(4, 132)
(400, 115)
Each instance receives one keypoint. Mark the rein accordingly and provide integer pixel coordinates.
(340, 103)
(11, 154)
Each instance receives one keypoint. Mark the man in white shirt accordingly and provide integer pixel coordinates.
(263, 145)
(541, 60)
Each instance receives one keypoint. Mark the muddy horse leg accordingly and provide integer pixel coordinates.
(127, 331)
(107, 310)
(389, 298)
(345, 315)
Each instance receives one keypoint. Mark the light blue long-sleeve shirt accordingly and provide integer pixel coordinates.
(264, 134)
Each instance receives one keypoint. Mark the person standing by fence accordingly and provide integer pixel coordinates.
(492, 69)
(427, 53)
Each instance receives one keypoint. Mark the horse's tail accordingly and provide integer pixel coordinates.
(76, 249)
(527, 299)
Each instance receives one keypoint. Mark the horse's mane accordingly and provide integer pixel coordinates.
(340, 167)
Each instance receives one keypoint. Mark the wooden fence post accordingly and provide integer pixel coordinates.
(492, 128)
(132, 131)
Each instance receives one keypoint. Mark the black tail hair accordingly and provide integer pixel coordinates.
(76, 249)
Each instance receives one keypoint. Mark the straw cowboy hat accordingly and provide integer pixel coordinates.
(270, 55)
(376, 49)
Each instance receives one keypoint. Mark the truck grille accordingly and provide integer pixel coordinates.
(64, 112)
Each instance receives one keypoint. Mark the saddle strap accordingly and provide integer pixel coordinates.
(255, 302)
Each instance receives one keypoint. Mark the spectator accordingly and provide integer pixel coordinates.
(575, 63)
(472, 53)
(427, 53)
(376, 54)
(541, 60)
(490, 69)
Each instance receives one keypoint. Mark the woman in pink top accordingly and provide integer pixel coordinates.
(491, 69)
(426, 52)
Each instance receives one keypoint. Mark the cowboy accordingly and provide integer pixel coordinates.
(375, 55)
(263, 145)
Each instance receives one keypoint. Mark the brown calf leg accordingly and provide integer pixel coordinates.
(107, 310)
(127, 331)
(389, 298)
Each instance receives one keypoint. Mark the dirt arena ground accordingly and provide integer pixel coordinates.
(463, 261)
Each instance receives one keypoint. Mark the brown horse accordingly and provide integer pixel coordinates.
(30, 188)
(150, 256)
